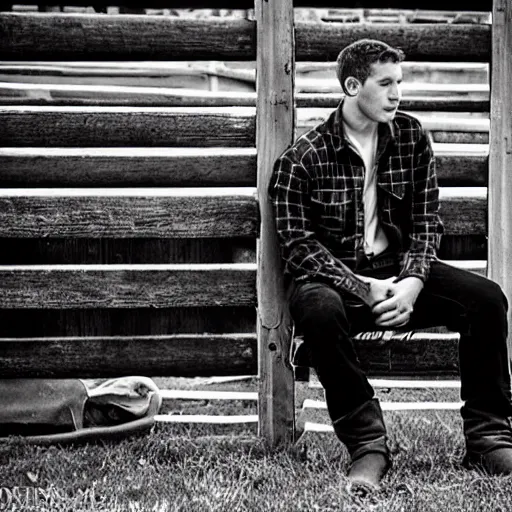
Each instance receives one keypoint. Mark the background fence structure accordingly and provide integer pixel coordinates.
(136, 231)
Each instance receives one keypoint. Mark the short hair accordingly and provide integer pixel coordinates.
(356, 59)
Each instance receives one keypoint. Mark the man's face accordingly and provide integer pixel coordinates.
(379, 96)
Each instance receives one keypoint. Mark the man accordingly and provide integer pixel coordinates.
(356, 203)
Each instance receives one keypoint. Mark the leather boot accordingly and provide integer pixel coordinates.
(488, 441)
(364, 434)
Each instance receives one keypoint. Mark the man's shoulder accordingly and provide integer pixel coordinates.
(405, 121)
(310, 141)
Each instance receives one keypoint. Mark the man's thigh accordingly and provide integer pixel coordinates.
(449, 294)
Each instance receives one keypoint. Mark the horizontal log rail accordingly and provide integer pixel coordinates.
(127, 286)
(65, 36)
(129, 213)
(466, 42)
(126, 126)
(131, 167)
(464, 210)
(436, 5)
(54, 126)
(183, 355)
(399, 355)
(176, 213)
(457, 165)
(113, 95)
(429, 121)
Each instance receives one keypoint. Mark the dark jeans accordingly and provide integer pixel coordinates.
(460, 300)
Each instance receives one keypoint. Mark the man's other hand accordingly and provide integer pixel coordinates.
(396, 310)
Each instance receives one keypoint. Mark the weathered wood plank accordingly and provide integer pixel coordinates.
(457, 165)
(461, 165)
(430, 41)
(110, 95)
(464, 210)
(441, 103)
(423, 354)
(275, 131)
(64, 36)
(126, 286)
(437, 5)
(128, 213)
(500, 159)
(184, 355)
(126, 126)
(128, 167)
(132, 213)
(31, 323)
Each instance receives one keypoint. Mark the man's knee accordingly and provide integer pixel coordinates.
(316, 302)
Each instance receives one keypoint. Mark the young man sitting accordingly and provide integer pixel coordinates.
(356, 204)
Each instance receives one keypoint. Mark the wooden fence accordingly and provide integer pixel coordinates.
(129, 219)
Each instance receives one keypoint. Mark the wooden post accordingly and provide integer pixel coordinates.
(275, 69)
(500, 155)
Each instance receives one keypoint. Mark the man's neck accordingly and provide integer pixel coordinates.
(360, 125)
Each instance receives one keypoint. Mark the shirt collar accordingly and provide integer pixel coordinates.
(386, 131)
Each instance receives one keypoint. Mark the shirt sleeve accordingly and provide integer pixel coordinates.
(427, 227)
(304, 256)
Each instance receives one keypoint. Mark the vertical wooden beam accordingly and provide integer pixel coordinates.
(500, 152)
(275, 69)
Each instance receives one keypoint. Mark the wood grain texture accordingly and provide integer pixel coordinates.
(111, 95)
(500, 156)
(64, 36)
(128, 213)
(275, 131)
(437, 5)
(179, 167)
(126, 127)
(128, 167)
(421, 42)
(185, 355)
(424, 355)
(126, 286)
(464, 210)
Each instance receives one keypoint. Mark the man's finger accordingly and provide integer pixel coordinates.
(385, 305)
(397, 320)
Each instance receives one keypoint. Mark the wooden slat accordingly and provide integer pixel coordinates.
(425, 354)
(464, 210)
(110, 95)
(430, 121)
(127, 167)
(461, 164)
(64, 36)
(420, 42)
(178, 355)
(128, 213)
(437, 5)
(446, 103)
(115, 95)
(126, 286)
(396, 406)
(126, 126)
(500, 159)
(457, 165)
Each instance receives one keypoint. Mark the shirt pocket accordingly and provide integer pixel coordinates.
(333, 213)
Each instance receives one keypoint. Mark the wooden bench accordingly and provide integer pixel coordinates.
(123, 250)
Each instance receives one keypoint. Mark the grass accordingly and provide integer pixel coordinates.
(229, 469)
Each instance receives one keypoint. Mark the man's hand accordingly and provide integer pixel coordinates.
(396, 310)
(380, 289)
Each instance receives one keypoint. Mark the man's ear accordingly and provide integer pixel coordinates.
(352, 85)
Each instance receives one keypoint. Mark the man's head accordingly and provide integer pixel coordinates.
(370, 72)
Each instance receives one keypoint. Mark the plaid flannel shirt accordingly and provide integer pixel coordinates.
(317, 193)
